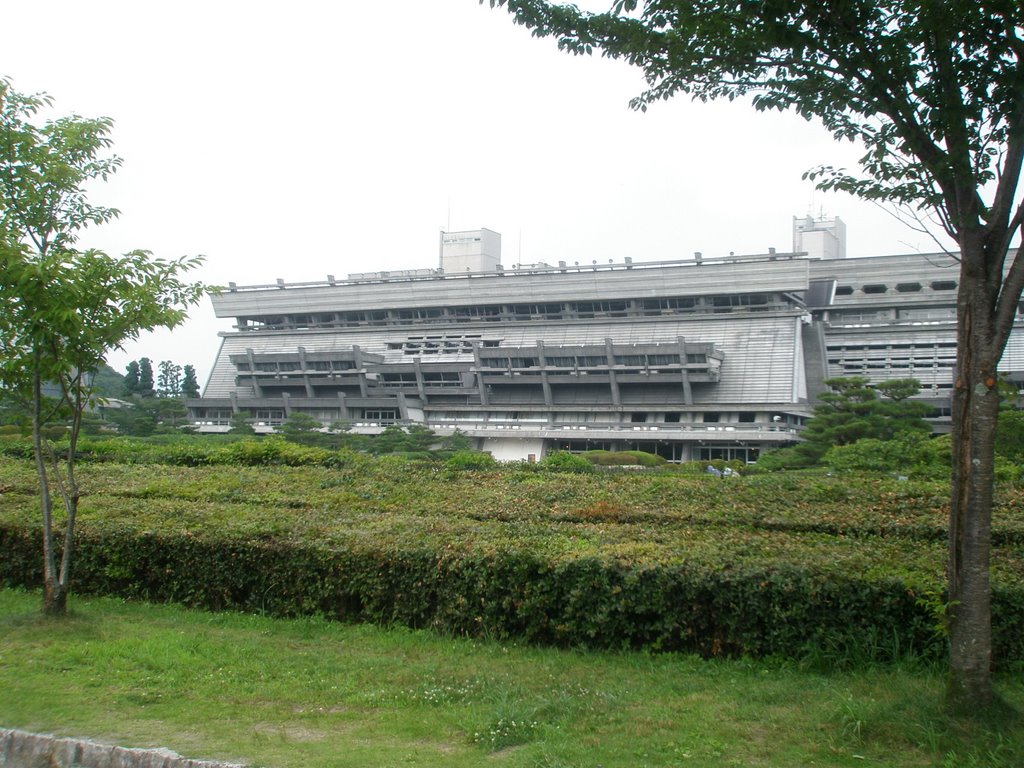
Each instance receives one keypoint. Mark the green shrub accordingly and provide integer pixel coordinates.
(470, 460)
(563, 461)
(517, 592)
(624, 458)
(909, 453)
(783, 458)
(771, 564)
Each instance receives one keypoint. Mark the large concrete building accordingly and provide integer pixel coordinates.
(696, 359)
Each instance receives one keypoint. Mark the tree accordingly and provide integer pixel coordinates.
(189, 382)
(240, 424)
(302, 428)
(852, 410)
(131, 378)
(146, 381)
(169, 383)
(170, 410)
(934, 92)
(62, 310)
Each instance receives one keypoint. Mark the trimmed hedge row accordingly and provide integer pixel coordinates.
(515, 593)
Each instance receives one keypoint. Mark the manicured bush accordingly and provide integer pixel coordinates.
(563, 461)
(470, 460)
(624, 458)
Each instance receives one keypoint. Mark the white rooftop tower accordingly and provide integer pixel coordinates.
(478, 250)
(821, 238)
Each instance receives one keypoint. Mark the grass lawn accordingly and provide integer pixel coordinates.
(311, 693)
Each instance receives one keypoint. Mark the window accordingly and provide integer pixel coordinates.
(382, 415)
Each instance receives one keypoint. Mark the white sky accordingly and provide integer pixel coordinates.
(307, 138)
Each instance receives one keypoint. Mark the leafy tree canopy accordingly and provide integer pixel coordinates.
(933, 90)
(852, 410)
(63, 309)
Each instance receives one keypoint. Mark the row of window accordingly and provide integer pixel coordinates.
(292, 366)
(512, 312)
(590, 361)
(914, 287)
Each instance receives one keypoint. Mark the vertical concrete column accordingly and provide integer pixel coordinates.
(420, 386)
(303, 366)
(357, 356)
(481, 387)
(613, 380)
(342, 406)
(287, 400)
(403, 407)
(687, 390)
(544, 383)
(256, 388)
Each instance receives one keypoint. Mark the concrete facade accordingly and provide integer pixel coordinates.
(693, 360)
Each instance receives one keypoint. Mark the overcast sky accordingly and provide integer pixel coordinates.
(295, 140)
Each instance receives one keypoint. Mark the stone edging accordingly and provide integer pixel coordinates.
(20, 749)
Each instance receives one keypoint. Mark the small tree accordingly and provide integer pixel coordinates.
(131, 378)
(62, 310)
(169, 382)
(240, 424)
(146, 381)
(851, 410)
(302, 428)
(189, 383)
(170, 410)
(457, 441)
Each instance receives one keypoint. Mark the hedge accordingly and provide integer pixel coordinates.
(847, 569)
(517, 593)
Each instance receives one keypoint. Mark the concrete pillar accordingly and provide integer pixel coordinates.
(481, 387)
(687, 390)
(256, 388)
(544, 383)
(420, 386)
(613, 380)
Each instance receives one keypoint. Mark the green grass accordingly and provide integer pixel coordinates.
(311, 693)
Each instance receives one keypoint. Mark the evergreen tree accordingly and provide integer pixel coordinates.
(853, 411)
(303, 428)
(189, 383)
(146, 382)
(169, 381)
(240, 424)
(131, 378)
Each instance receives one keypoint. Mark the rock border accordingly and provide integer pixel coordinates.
(21, 749)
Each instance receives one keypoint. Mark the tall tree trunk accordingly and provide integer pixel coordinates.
(54, 592)
(975, 410)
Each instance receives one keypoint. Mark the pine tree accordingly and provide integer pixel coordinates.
(131, 378)
(146, 381)
(189, 382)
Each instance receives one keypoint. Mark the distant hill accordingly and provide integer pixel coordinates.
(108, 382)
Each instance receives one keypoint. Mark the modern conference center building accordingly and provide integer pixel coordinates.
(695, 359)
